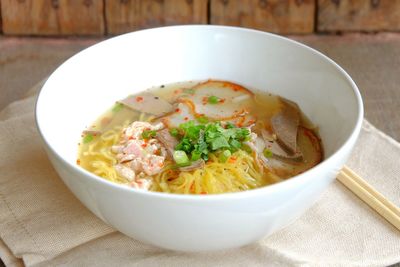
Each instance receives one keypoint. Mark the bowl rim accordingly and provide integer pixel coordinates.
(223, 196)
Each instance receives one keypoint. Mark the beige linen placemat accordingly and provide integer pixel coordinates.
(43, 224)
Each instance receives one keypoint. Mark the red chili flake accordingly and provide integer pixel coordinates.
(252, 121)
(186, 118)
(131, 138)
(235, 87)
(144, 145)
(78, 161)
(222, 100)
(232, 159)
(203, 193)
(139, 99)
(178, 110)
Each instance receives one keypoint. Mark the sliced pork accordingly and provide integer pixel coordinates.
(285, 125)
(195, 165)
(272, 145)
(148, 103)
(167, 140)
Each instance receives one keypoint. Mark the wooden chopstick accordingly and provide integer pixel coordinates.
(369, 195)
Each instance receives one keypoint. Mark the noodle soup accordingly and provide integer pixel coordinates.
(200, 138)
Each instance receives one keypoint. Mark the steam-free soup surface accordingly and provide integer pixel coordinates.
(200, 138)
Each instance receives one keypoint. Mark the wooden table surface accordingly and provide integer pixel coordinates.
(373, 60)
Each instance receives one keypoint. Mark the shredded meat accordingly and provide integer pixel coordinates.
(125, 172)
(195, 165)
(137, 157)
(167, 140)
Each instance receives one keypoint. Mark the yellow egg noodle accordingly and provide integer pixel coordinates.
(239, 173)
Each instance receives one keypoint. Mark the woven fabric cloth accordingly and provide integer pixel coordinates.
(43, 224)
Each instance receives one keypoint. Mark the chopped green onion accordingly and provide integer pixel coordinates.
(247, 138)
(213, 99)
(189, 91)
(247, 149)
(88, 138)
(147, 134)
(230, 125)
(174, 132)
(235, 145)
(224, 156)
(117, 107)
(202, 119)
(196, 155)
(267, 153)
(180, 157)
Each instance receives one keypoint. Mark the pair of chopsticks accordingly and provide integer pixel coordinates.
(369, 195)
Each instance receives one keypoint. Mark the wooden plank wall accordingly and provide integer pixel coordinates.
(358, 15)
(99, 17)
(53, 17)
(129, 15)
(280, 16)
(1, 21)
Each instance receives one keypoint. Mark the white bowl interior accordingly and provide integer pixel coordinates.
(87, 84)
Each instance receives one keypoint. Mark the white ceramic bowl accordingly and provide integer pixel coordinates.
(90, 82)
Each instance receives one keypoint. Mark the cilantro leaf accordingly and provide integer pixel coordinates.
(174, 132)
(198, 140)
(219, 142)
